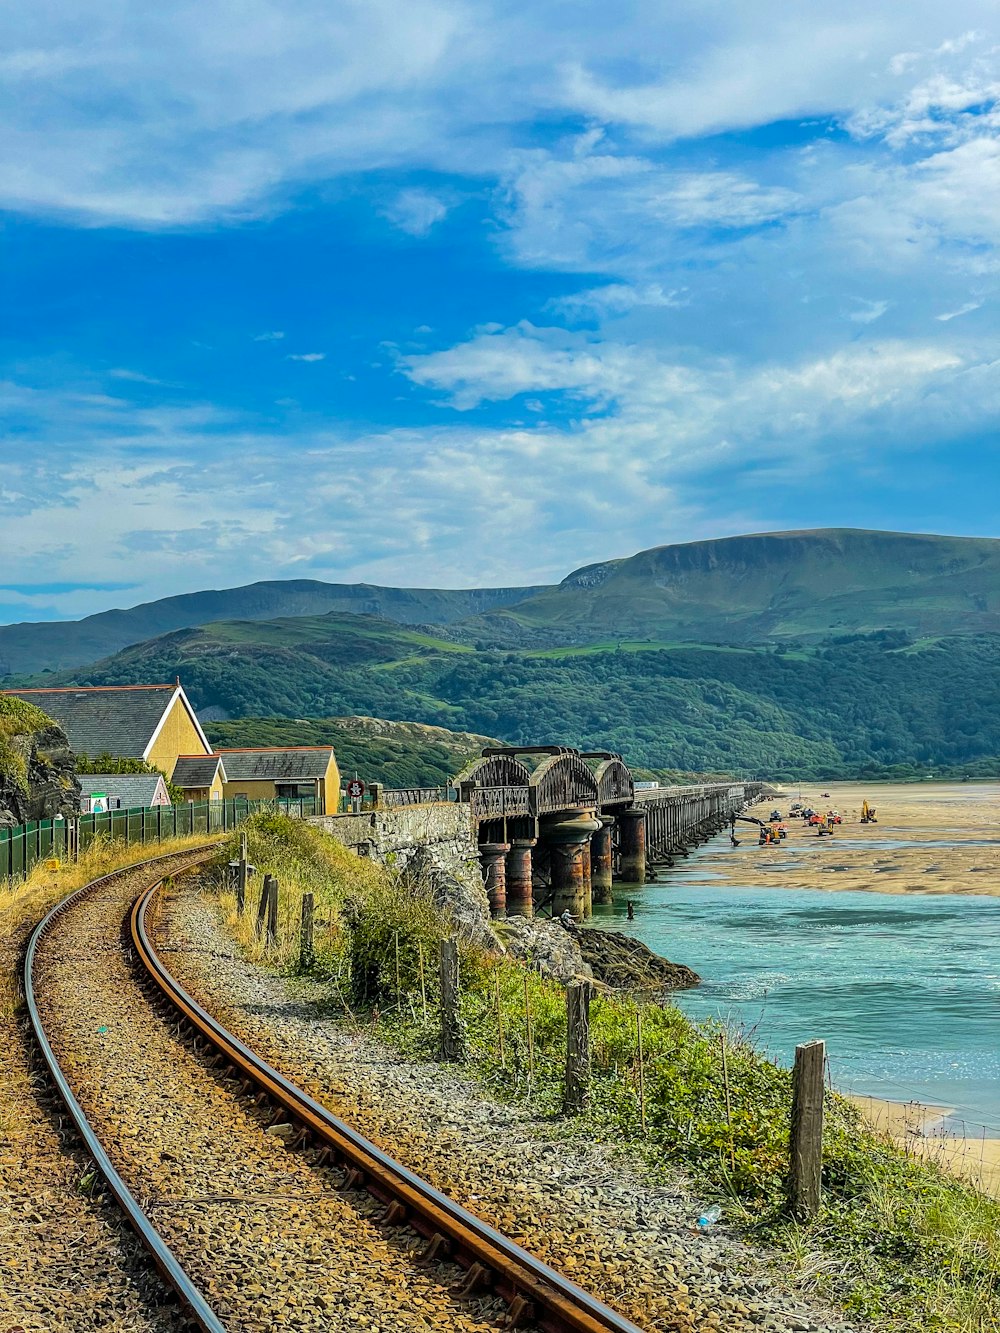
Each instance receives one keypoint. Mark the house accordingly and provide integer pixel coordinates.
(152, 722)
(121, 791)
(284, 772)
(201, 777)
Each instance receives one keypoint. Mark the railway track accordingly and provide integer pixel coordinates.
(260, 1208)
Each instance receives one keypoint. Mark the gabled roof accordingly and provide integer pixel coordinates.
(132, 789)
(292, 764)
(117, 719)
(197, 770)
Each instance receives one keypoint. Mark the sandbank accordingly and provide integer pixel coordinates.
(924, 1131)
(939, 838)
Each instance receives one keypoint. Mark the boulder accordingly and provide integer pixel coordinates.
(37, 776)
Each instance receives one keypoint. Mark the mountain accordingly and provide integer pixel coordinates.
(56, 645)
(765, 587)
(879, 704)
(803, 654)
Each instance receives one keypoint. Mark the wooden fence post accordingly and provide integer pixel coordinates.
(241, 882)
(806, 1140)
(306, 955)
(272, 914)
(265, 896)
(452, 1037)
(577, 1089)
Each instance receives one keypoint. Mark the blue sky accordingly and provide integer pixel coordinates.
(459, 293)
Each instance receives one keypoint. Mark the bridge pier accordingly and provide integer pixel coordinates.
(602, 862)
(569, 842)
(493, 856)
(632, 845)
(520, 901)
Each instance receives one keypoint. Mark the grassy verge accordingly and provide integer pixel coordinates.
(22, 904)
(899, 1241)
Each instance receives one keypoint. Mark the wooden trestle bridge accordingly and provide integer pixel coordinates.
(560, 825)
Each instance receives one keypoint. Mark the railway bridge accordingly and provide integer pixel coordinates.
(557, 826)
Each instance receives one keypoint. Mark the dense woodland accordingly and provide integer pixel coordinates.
(859, 705)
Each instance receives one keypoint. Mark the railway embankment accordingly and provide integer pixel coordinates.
(68, 1259)
(673, 1106)
(557, 1188)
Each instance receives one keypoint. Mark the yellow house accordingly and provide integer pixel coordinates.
(201, 777)
(152, 722)
(284, 772)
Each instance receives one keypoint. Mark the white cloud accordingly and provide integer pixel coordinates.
(137, 377)
(175, 114)
(966, 309)
(274, 337)
(416, 211)
(868, 312)
(306, 356)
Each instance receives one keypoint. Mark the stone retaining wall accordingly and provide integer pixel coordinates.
(433, 842)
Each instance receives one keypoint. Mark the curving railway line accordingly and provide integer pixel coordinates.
(261, 1210)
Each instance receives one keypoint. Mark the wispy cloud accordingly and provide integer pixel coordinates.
(137, 377)
(274, 337)
(306, 356)
(416, 211)
(966, 309)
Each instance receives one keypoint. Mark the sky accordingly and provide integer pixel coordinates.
(457, 293)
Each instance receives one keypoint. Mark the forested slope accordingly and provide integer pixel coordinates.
(858, 704)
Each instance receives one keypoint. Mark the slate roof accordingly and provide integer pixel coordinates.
(197, 770)
(298, 764)
(117, 719)
(132, 789)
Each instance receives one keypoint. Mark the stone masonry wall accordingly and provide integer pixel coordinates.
(434, 842)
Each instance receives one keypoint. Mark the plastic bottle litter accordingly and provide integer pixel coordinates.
(709, 1217)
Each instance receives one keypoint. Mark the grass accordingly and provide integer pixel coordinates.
(23, 904)
(899, 1241)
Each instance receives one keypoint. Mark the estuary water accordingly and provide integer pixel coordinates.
(904, 990)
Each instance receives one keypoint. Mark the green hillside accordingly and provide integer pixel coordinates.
(880, 703)
(58, 645)
(767, 587)
(398, 754)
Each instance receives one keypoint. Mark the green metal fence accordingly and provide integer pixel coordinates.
(27, 844)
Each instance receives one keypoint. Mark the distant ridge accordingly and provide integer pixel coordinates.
(60, 645)
(761, 588)
(769, 586)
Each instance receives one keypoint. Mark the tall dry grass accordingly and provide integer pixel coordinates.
(23, 904)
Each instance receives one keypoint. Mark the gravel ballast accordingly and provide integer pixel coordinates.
(571, 1202)
(270, 1240)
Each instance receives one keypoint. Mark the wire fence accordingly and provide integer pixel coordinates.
(25, 845)
(933, 1133)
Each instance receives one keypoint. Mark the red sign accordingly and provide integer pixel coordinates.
(355, 789)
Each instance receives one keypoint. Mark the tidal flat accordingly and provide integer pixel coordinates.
(929, 838)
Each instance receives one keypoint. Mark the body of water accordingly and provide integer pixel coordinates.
(905, 991)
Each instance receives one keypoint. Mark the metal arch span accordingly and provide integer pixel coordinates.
(563, 782)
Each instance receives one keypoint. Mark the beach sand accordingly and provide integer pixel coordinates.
(925, 1132)
(962, 815)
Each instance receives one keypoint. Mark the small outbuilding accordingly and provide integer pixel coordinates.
(202, 777)
(121, 791)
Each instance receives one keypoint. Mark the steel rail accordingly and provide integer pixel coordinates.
(534, 1292)
(162, 1255)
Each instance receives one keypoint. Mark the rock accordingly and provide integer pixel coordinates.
(37, 777)
(546, 945)
(624, 963)
(457, 888)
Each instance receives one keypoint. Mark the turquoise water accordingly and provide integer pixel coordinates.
(905, 991)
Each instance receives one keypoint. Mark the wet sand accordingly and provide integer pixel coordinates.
(928, 1132)
(930, 838)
